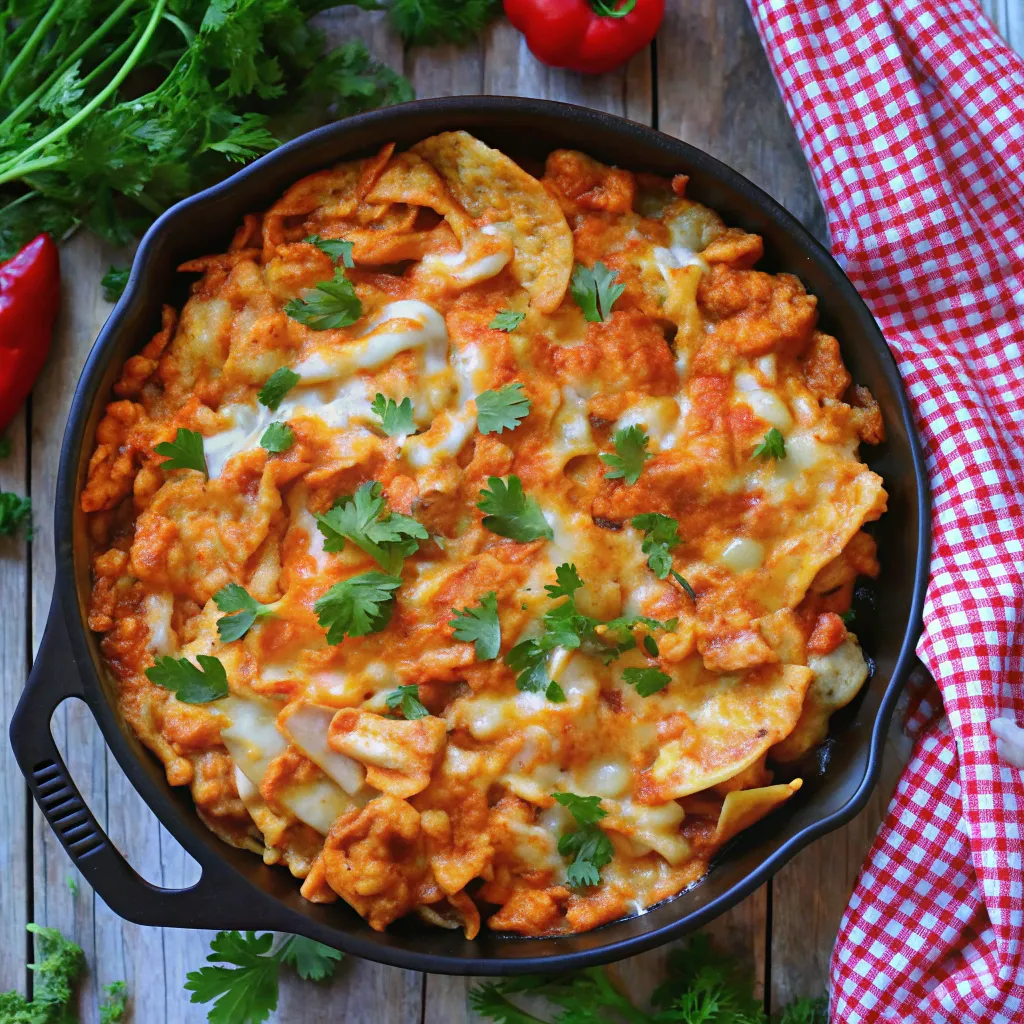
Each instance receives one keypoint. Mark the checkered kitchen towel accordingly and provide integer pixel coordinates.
(912, 117)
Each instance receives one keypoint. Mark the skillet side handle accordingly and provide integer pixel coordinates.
(54, 678)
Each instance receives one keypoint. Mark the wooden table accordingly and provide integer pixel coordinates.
(705, 80)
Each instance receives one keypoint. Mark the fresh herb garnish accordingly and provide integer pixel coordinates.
(234, 598)
(59, 964)
(661, 534)
(595, 291)
(630, 455)
(426, 22)
(510, 513)
(506, 320)
(278, 385)
(681, 580)
(15, 510)
(395, 417)
(407, 698)
(646, 680)
(772, 447)
(589, 846)
(357, 606)
(336, 248)
(621, 633)
(113, 1007)
(331, 304)
(480, 626)
(277, 438)
(5, 446)
(184, 452)
(189, 684)
(501, 410)
(114, 282)
(363, 518)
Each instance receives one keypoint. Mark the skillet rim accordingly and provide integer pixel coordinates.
(87, 395)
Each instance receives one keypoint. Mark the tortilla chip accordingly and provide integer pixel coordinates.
(744, 807)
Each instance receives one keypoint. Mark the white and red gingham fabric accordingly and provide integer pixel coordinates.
(912, 117)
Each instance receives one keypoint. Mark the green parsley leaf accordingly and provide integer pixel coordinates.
(651, 646)
(772, 447)
(631, 454)
(480, 626)
(113, 1006)
(235, 598)
(408, 699)
(426, 22)
(646, 680)
(506, 320)
(661, 534)
(848, 616)
(620, 632)
(595, 291)
(114, 282)
(395, 417)
(567, 581)
(312, 960)
(59, 964)
(501, 410)
(15, 510)
(332, 304)
(585, 809)
(681, 580)
(244, 993)
(278, 437)
(529, 659)
(189, 684)
(184, 452)
(510, 513)
(336, 248)
(357, 606)
(591, 848)
(279, 384)
(388, 537)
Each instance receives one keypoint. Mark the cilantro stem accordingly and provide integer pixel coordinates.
(12, 170)
(30, 44)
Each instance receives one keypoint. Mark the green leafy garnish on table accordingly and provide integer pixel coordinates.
(59, 965)
(661, 535)
(243, 610)
(500, 410)
(15, 511)
(426, 22)
(331, 304)
(279, 383)
(595, 291)
(772, 447)
(336, 248)
(646, 680)
(506, 320)
(590, 848)
(508, 512)
(113, 1007)
(395, 417)
(357, 606)
(630, 455)
(184, 452)
(114, 282)
(407, 699)
(480, 626)
(277, 438)
(191, 685)
(364, 519)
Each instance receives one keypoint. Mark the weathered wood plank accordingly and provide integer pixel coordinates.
(1008, 17)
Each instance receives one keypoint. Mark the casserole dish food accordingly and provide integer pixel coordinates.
(836, 792)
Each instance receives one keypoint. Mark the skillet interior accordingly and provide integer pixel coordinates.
(250, 894)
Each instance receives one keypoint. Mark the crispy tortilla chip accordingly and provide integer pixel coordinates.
(746, 806)
(488, 183)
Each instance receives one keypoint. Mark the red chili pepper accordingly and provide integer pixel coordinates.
(592, 36)
(29, 296)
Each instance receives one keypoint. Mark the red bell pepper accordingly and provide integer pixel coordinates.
(29, 297)
(592, 36)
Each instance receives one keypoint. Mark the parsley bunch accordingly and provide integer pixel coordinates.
(112, 110)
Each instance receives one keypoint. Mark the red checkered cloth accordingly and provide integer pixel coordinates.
(912, 117)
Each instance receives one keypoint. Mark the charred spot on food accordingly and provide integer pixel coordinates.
(606, 524)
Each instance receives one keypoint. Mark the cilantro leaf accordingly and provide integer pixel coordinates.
(421, 22)
(278, 385)
(189, 684)
(595, 291)
(336, 248)
(651, 646)
(114, 282)
(59, 964)
(389, 538)
(631, 454)
(501, 410)
(395, 417)
(589, 846)
(567, 581)
(244, 993)
(235, 598)
(529, 659)
(14, 510)
(113, 1006)
(681, 580)
(510, 513)
(506, 320)
(357, 606)
(184, 452)
(312, 960)
(772, 447)
(661, 534)
(408, 699)
(278, 437)
(332, 304)
(585, 809)
(646, 680)
(480, 626)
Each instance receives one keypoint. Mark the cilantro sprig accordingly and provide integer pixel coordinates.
(646, 680)
(407, 699)
(191, 685)
(395, 417)
(661, 535)
(277, 438)
(508, 512)
(589, 847)
(503, 409)
(184, 452)
(243, 611)
(480, 626)
(595, 291)
(772, 447)
(630, 455)
(15, 510)
(506, 320)
(277, 386)
(331, 304)
(363, 518)
(336, 248)
(114, 282)
(357, 606)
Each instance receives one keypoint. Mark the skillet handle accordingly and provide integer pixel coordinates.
(54, 678)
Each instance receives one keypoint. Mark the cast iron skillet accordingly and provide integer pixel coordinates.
(236, 889)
